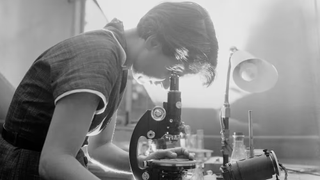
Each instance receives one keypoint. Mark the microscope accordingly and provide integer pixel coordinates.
(162, 128)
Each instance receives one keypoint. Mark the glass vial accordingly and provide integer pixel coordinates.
(239, 149)
(200, 143)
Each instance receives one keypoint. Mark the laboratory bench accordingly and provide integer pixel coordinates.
(301, 167)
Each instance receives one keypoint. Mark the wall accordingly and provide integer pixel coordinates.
(30, 27)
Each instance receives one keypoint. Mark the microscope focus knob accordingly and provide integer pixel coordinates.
(158, 113)
(145, 176)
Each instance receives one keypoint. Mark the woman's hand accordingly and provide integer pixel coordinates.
(171, 153)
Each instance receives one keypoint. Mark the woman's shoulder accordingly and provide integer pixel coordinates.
(91, 41)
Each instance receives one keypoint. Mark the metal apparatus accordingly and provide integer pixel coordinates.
(259, 167)
(162, 127)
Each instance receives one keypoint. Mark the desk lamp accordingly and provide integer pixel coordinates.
(252, 75)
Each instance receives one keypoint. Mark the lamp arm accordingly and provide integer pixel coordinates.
(225, 115)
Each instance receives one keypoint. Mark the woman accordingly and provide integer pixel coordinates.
(72, 90)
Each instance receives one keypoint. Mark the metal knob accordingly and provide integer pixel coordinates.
(158, 113)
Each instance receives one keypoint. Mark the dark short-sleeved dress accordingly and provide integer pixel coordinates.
(90, 62)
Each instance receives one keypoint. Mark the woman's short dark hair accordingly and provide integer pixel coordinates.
(186, 32)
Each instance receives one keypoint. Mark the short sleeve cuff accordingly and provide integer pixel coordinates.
(102, 97)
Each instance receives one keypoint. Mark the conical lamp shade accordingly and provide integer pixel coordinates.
(252, 74)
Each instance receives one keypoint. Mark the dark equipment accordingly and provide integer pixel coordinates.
(259, 167)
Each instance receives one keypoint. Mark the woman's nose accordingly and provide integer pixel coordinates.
(140, 80)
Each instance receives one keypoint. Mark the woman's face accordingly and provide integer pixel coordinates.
(151, 66)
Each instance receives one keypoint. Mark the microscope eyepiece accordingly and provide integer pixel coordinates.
(174, 82)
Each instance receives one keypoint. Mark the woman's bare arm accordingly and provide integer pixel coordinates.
(69, 126)
(105, 153)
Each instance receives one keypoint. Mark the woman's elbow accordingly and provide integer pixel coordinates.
(44, 166)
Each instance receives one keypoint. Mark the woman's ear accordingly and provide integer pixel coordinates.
(152, 43)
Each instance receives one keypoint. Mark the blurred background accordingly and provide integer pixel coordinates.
(285, 33)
